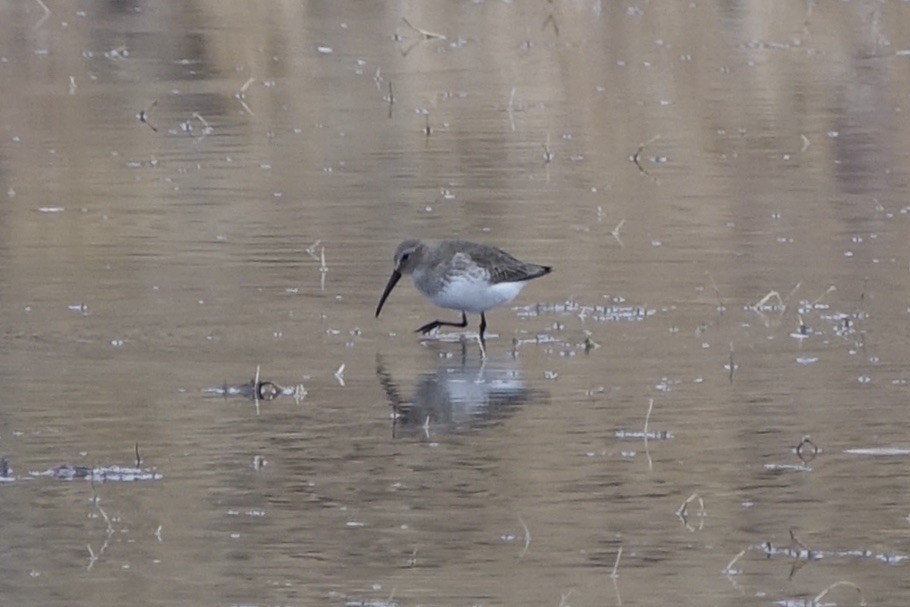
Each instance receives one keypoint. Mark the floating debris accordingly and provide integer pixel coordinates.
(788, 468)
(258, 389)
(263, 390)
(100, 474)
(597, 313)
(639, 435)
(371, 603)
(878, 451)
(801, 552)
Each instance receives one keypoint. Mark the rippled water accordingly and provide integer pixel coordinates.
(193, 191)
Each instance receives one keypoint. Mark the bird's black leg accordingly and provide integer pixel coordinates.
(483, 327)
(441, 323)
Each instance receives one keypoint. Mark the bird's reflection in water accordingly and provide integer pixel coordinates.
(456, 396)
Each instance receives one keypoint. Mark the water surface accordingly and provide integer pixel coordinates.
(194, 191)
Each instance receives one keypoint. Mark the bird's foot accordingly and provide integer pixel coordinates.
(428, 327)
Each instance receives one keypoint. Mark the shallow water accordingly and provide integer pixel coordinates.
(194, 191)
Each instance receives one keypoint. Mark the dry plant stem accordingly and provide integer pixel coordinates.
(831, 289)
(45, 16)
(240, 94)
(720, 301)
(323, 269)
(615, 233)
(684, 508)
(527, 537)
(511, 108)
(109, 530)
(729, 568)
(246, 85)
(821, 595)
(426, 34)
(615, 573)
(616, 590)
(311, 250)
(792, 292)
(647, 420)
(768, 296)
(683, 511)
(256, 389)
(339, 375)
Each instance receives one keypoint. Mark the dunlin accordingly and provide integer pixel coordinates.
(461, 275)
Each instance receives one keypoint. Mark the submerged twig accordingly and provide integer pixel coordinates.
(511, 108)
(391, 98)
(720, 302)
(547, 154)
(143, 115)
(795, 539)
(636, 157)
(550, 19)
(806, 450)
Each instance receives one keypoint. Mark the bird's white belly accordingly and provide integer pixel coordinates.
(475, 295)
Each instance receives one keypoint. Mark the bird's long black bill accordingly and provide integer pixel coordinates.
(393, 280)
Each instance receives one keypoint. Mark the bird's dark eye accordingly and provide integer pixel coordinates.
(405, 257)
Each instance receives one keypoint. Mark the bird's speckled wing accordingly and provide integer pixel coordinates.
(501, 266)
